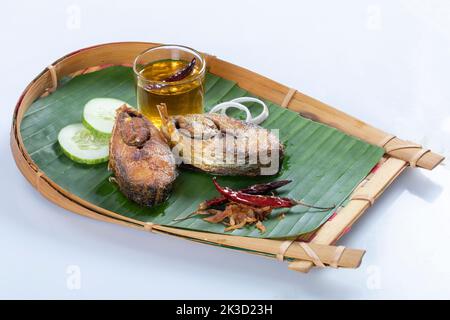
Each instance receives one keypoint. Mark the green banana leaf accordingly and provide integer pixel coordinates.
(324, 163)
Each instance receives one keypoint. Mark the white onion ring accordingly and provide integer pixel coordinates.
(262, 116)
(222, 107)
(237, 103)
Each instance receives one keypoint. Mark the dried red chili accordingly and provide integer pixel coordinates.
(182, 73)
(260, 200)
(260, 188)
(258, 205)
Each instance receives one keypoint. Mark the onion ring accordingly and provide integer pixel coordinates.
(222, 108)
(237, 103)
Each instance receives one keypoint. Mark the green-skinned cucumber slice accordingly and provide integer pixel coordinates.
(82, 146)
(99, 115)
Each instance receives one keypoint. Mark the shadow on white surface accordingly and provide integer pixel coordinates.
(421, 186)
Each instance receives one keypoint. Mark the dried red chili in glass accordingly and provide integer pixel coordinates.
(182, 73)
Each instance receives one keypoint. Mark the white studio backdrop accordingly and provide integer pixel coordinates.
(385, 62)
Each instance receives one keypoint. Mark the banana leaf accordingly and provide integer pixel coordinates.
(324, 163)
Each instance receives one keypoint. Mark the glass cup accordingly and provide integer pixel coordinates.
(153, 69)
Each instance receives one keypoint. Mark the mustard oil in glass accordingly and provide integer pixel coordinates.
(184, 96)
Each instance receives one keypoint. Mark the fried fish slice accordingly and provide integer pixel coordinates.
(140, 159)
(222, 145)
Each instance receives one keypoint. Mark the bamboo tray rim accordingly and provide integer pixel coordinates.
(277, 93)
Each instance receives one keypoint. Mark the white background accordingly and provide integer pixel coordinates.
(386, 62)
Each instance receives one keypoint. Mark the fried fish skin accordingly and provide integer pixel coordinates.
(222, 145)
(140, 159)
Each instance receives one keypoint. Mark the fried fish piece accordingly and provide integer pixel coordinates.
(222, 145)
(140, 159)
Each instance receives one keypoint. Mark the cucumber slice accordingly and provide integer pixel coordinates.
(99, 115)
(80, 145)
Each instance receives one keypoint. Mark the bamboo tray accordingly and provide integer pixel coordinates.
(316, 248)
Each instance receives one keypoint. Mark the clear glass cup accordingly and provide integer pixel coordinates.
(184, 96)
